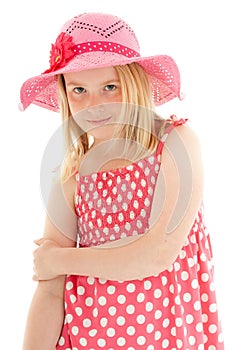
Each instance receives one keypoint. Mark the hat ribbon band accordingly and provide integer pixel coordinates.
(104, 46)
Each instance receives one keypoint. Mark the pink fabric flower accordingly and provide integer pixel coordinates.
(61, 52)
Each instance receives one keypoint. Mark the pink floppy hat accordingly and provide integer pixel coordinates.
(97, 40)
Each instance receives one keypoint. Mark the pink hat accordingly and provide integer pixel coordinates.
(96, 40)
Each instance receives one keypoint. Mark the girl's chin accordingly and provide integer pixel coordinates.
(102, 133)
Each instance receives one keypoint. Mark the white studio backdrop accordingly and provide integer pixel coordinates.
(198, 35)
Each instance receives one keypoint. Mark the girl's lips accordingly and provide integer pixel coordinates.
(99, 121)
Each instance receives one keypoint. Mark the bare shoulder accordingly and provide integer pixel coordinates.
(186, 134)
(183, 143)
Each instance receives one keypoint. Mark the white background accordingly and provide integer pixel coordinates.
(198, 35)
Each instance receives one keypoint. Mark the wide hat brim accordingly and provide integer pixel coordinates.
(163, 73)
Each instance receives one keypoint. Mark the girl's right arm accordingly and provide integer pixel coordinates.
(46, 313)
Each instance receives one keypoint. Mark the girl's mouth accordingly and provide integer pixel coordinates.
(99, 121)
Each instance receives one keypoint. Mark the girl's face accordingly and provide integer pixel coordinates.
(93, 97)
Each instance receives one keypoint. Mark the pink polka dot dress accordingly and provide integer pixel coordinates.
(173, 310)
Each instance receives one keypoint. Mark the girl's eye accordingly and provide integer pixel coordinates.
(79, 90)
(110, 87)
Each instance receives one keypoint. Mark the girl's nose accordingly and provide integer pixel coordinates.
(93, 100)
(95, 103)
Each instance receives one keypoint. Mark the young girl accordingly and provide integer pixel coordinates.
(126, 260)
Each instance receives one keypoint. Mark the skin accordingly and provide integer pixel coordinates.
(129, 258)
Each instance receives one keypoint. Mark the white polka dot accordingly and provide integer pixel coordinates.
(120, 321)
(166, 302)
(130, 330)
(213, 307)
(177, 300)
(191, 262)
(140, 297)
(194, 283)
(89, 301)
(80, 290)
(212, 347)
(157, 293)
(192, 340)
(165, 343)
(213, 328)
(184, 275)
(95, 312)
(111, 332)
(179, 321)
(74, 330)
(90, 280)
(220, 338)
(83, 341)
(158, 314)
(157, 335)
(103, 321)
(204, 297)
(121, 299)
(197, 305)
(189, 318)
(150, 347)
(182, 254)
(164, 280)
(73, 298)
(101, 342)
(147, 285)
(141, 319)
(187, 297)
(149, 306)
(112, 310)
(121, 341)
(150, 327)
(92, 332)
(69, 318)
(166, 322)
(130, 309)
(199, 327)
(179, 343)
(141, 340)
(177, 266)
(111, 289)
(61, 341)
(203, 257)
(204, 277)
(173, 331)
(130, 287)
(69, 285)
(86, 322)
(78, 311)
(102, 301)
(204, 318)
(212, 286)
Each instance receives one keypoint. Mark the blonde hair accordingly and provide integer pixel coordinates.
(137, 104)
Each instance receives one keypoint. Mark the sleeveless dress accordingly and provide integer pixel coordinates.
(173, 310)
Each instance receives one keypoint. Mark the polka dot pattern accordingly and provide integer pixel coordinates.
(176, 309)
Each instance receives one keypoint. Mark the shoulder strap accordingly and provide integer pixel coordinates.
(172, 122)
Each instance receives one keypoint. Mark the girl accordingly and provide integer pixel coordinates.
(126, 260)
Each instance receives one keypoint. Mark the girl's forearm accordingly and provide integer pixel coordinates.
(45, 317)
(139, 259)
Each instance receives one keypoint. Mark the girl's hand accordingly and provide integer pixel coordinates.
(45, 261)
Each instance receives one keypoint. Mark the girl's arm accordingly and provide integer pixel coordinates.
(178, 195)
(46, 313)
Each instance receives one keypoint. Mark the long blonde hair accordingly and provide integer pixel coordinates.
(136, 99)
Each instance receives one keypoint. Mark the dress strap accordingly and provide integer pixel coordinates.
(172, 122)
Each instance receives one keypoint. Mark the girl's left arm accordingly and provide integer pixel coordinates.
(178, 194)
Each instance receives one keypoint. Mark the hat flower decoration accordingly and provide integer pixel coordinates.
(61, 52)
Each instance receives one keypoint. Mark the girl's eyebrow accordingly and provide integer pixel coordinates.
(109, 81)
